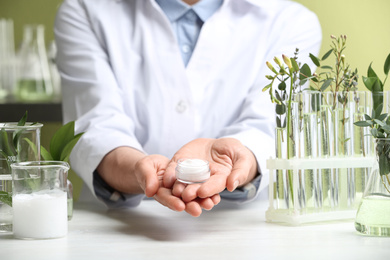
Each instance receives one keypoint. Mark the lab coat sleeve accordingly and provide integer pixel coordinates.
(255, 126)
(91, 95)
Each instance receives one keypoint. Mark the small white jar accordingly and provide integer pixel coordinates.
(191, 171)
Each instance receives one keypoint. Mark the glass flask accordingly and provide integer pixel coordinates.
(34, 79)
(373, 216)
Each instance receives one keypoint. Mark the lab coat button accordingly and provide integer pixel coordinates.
(181, 107)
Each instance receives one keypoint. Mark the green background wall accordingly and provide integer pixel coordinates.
(365, 22)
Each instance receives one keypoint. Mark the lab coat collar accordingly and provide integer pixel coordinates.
(174, 9)
(205, 9)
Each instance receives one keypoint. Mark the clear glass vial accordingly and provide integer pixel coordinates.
(192, 171)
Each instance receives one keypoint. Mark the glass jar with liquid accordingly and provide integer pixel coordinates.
(34, 79)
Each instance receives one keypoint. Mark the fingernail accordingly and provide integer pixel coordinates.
(160, 175)
(235, 185)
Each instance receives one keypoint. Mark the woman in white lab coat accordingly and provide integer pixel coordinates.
(147, 90)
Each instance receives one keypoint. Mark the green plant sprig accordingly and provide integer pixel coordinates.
(339, 78)
(8, 150)
(379, 122)
(61, 145)
(287, 73)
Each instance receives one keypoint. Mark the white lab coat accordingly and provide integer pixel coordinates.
(125, 84)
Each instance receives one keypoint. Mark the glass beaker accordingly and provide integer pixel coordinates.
(373, 216)
(17, 144)
(34, 79)
(39, 199)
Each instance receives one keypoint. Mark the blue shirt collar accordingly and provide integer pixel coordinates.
(174, 9)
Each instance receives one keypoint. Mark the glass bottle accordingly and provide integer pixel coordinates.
(373, 216)
(34, 80)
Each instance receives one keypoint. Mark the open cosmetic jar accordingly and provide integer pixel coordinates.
(191, 171)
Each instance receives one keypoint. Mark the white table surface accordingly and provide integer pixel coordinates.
(151, 231)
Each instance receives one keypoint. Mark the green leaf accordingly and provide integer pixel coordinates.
(294, 64)
(32, 146)
(386, 67)
(315, 102)
(305, 72)
(386, 128)
(23, 120)
(326, 84)
(16, 138)
(383, 164)
(315, 60)
(362, 123)
(60, 139)
(374, 132)
(371, 72)
(380, 135)
(377, 96)
(5, 144)
(382, 117)
(278, 122)
(68, 148)
(379, 122)
(327, 67)
(326, 55)
(367, 117)
(280, 109)
(45, 154)
(378, 86)
(6, 198)
(378, 110)
(282, 85)
(267, 87)
(369, 82)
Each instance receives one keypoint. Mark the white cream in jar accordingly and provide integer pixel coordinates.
(192, 171)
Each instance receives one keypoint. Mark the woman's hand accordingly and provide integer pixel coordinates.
(231, 165)
(130, 171)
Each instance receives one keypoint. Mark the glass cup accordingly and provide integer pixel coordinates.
(39, 199)
(17, 144)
